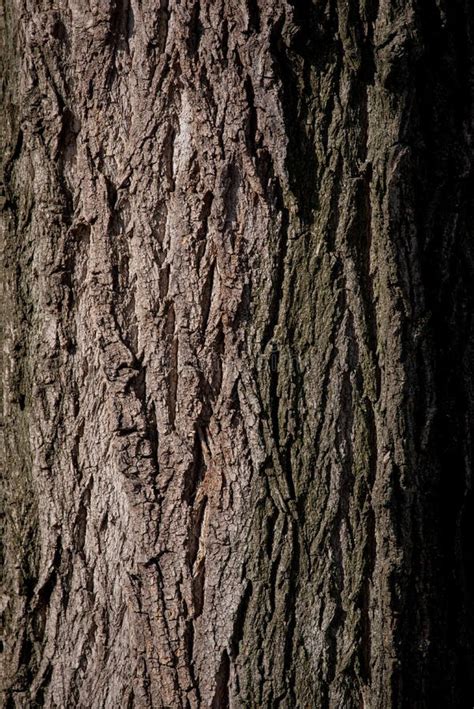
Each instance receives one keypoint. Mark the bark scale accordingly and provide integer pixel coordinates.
(237, 353)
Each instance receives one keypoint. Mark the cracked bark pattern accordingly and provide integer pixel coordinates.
(237, 353)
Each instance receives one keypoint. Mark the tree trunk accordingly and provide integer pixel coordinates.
(238, 353)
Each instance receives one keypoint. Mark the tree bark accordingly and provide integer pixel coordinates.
(238, 353)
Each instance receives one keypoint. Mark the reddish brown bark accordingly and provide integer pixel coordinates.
(237, 353)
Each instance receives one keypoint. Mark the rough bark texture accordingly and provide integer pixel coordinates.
(238, 353)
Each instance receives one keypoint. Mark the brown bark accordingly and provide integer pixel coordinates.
(237, 353)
